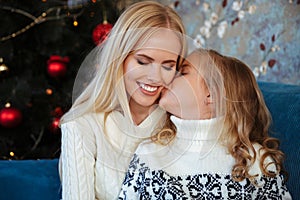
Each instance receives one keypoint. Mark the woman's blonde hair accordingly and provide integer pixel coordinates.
(106, 91)
(247, 120)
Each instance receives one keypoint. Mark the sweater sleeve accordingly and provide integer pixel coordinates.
(131, 187)
(269, 187)
(77, 161)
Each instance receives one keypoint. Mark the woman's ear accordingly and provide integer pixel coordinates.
(208, 99)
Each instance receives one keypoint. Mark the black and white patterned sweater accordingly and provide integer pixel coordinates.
(195, 166)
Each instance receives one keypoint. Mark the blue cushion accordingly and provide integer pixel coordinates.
(29, 180)
(283, 102)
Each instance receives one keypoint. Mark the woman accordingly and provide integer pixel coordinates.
(118, 109)
(221, 149)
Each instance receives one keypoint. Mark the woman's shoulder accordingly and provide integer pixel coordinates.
(87, 118)
(84, 123)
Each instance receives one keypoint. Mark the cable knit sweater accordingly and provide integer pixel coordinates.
(195, 166)
(93, 164)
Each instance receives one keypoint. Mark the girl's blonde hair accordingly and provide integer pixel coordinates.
(106, 91)
(247, 120)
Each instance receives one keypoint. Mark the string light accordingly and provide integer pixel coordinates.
(3, 67)
(75, 22)
(49, 91)
(12, 154)
(7, 105)
(45, 16)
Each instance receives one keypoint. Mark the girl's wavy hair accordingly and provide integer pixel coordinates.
(246, 117)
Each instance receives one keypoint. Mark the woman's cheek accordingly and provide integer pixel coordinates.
(168, 76)
(168, 101)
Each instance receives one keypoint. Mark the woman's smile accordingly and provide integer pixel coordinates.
(148, 89)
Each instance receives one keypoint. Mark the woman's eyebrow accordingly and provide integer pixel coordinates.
(145, 56)
(168, 61)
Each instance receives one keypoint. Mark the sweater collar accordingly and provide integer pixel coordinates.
(198, 130)
(143, 130)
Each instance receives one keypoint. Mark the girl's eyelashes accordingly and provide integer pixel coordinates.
(183, 73)
(184, 70)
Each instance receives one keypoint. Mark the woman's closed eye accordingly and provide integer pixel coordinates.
(142, 62)
(142, 59)
(169, 67)
(166, 67)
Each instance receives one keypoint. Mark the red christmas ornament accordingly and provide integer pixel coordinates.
(58, 112)
(10, 117)
(54, 127)
(101, 31)
(57, 66)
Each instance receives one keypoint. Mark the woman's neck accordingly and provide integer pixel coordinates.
(140, 113)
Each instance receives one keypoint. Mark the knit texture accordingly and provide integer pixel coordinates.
(195, 166)
(94, 162)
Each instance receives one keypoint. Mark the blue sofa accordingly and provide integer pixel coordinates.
(39, 179)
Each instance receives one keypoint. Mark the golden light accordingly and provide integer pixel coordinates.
(11, 154)
(7, 105)
(75, 23)
(49, 91)
(3, 67)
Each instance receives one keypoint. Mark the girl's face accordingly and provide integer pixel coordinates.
(150, 68)
(188, 96)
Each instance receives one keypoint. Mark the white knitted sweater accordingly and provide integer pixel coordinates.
(93, 164)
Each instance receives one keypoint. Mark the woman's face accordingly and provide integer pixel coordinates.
(188, 96)
(150, 68)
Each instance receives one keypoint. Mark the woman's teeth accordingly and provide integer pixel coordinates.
(148, 88)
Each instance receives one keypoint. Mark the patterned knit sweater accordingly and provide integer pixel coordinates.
(195, 166)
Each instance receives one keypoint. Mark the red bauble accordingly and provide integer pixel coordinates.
(100, 32)
(58, 112)
(57, 66)
(10, 117)
(54, 127)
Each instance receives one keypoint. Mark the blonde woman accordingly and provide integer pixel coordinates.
(221, 149)
(118, 108)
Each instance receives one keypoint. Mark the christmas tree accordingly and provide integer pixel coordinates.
(42, 44)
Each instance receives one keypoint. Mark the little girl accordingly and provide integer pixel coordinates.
(216, 144)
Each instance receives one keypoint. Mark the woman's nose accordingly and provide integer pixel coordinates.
(154, 73)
